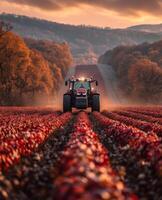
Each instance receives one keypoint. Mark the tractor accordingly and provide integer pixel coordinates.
(81, 94)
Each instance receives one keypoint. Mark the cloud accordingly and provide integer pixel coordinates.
(123, 7)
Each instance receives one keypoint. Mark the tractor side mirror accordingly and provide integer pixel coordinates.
(66, 83)
(96, 83)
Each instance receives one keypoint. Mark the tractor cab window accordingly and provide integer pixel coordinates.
(80, 84)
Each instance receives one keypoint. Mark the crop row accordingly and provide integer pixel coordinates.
(152, 113)
(85, 169)
(143, 145)
(20, 135)
(32, 178)
(26, 110)
(140, 116)
(144, 126)
(155, 109)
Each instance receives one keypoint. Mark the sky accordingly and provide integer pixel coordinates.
(102, 13)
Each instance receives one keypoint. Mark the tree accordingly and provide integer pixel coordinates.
(13, 64)
(139, 70)
(24, 73)
(146, 78)
(57, 54)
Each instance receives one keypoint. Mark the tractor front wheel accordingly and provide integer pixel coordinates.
(67, 103)
(96, 103)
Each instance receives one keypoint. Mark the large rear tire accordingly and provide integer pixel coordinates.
(67, 103)
(96, 103)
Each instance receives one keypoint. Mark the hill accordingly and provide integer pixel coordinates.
(139, 70)
(151, 28)
(86, 42)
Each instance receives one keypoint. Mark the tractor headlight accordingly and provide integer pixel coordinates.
(82, 78)
(82, 93)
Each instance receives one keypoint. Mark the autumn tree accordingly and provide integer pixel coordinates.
(146, 78)
(38, 77)
(58, 54)
(139, 70)
(24, 74)
(32, 72)
(13, 64)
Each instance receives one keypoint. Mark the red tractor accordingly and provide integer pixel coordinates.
(81, 95)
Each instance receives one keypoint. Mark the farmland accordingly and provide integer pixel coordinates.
(47, 154)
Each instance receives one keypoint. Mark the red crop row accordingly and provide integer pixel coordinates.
(143, 145)
(140, 116)
(10, 124)
(152, 113)
(20, 135)
(85, 170)
(26, 110)
(155, 109)
(144, 126)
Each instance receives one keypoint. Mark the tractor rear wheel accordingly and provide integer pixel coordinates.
(96, 103)
(67, 103)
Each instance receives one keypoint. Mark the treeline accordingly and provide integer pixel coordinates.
(31, 71)
(139, 70)
(85, 41)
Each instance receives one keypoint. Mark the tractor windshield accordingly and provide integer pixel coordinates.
(81, 84)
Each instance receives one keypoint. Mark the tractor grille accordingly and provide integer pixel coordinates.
(81, 102)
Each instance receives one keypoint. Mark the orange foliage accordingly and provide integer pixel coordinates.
(58, 56)
(146, 79)
(139, 70)
(26, 74)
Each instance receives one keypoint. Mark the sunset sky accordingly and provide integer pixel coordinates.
(103, 13)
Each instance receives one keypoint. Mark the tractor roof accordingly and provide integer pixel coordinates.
(83, 79)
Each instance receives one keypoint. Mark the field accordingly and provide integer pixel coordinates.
(46, 154)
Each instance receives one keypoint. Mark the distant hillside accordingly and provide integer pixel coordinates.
(139, 71)
(86, 43)
(151, 28)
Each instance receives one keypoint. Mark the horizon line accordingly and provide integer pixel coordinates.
(77, 25)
